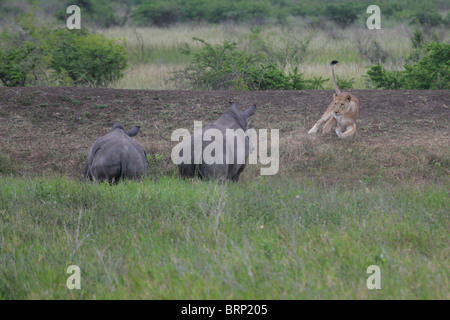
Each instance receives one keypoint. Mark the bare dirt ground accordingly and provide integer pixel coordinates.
(401, 134)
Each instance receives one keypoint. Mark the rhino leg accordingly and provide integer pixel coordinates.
(235, 178)
(213, 172)
(186, 170)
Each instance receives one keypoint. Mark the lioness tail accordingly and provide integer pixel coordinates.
(336, 88)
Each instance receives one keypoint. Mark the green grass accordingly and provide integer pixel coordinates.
(265, 239)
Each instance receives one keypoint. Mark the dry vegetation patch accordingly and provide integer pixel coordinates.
(401, 134)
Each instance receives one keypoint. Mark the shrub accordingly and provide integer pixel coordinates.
(88, 59)
(217, 67)
(343, 14)
(157, 13)
(22, 53)
(291, 50)
(432, 71)
(78, 57)
(224, 67)
(166, 12)
(384, 79)
(427, 19)
(371, 50)
(17, 60)
(94, 12)
(345, 84)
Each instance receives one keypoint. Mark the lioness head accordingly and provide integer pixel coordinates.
(341, 103)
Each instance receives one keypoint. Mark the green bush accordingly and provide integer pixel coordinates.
(23, 53)
(217, 67)
(427, 19)
(343, 14)
(290, 51)
(157, 13)
(41, 54)
(345, 84)
(18, 59)
(99, 13)
(166, 12)
(384, 79)
(432, 71)
(88, 59)
(224, 67)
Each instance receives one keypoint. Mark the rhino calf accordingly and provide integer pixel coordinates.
(228, 168)
(116, 156)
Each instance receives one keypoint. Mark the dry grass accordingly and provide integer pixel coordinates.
(387, 146)
(148, 77)
(155, 52)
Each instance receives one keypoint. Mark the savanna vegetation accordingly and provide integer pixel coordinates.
(265, 239)
(310, 232)
(279, 44)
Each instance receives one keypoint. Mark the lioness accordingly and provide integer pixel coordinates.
(344, 110)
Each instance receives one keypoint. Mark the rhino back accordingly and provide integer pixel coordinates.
(116, 156)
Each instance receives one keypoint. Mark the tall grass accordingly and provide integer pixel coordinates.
(266, 239)
(148, 77)
(158, 50)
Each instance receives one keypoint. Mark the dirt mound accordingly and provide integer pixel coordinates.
(48, 130)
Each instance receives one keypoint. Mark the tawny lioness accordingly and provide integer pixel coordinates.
(343, 110)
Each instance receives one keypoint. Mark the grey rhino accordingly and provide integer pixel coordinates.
(231, 119)
(115, 156)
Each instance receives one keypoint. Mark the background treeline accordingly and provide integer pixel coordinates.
(108, 13)
(217, 45)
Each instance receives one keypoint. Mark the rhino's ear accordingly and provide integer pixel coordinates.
(233, 105)
(133, 131)
(249, 112)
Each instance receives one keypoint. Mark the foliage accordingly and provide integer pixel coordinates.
(427, 19)
(109, 13)
(345, 84)
(39, 53)
(371, 50)
(23, 52)
(384, 79)
(99, 13)
(291, 51)
(225, 67)
(17, 59)
(164, 12)
(88, 59)
(218, 67)
(343, 14)
(432, 71)
(157, 13)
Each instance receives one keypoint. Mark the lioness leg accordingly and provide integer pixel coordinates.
(328, 125)
(326, 116)
(349, 132)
